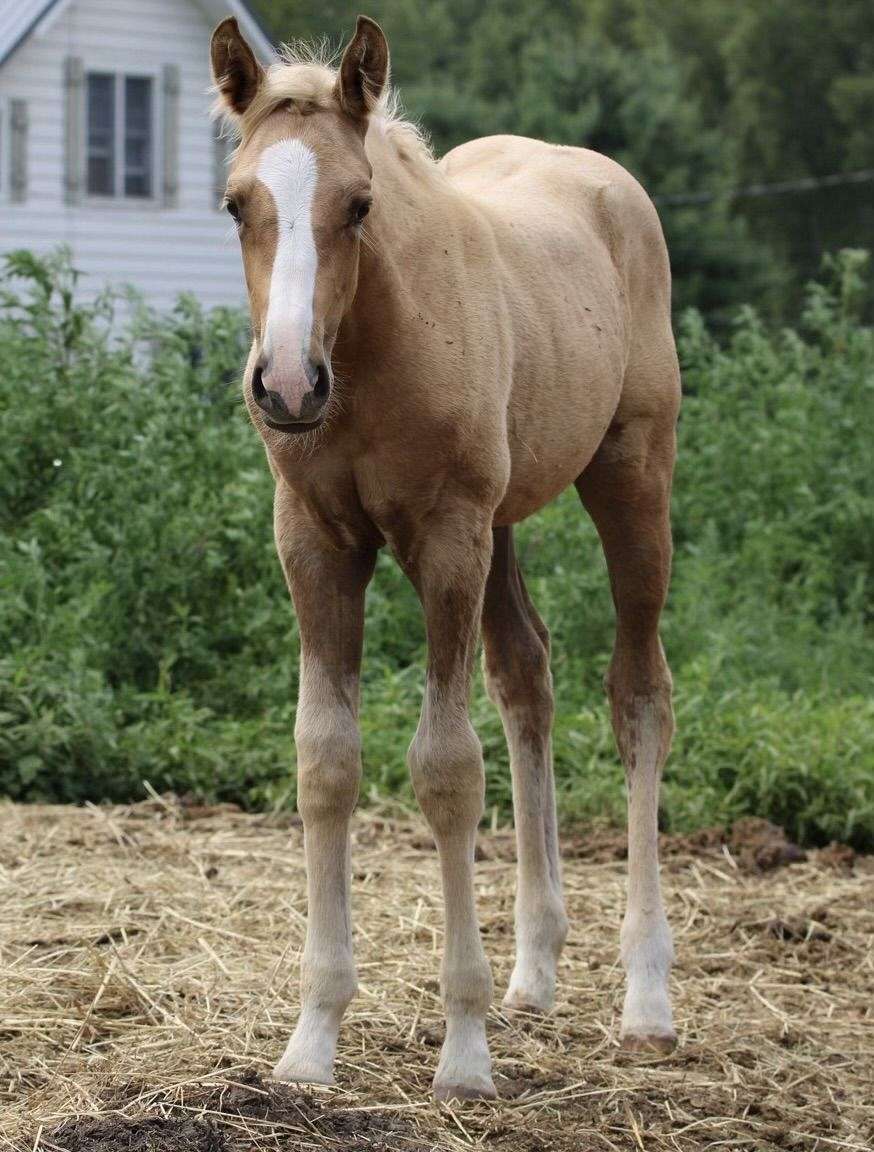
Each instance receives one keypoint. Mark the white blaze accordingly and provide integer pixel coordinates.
(288, 170)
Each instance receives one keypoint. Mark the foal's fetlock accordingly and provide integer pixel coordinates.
(539, 941)
(326, 991)
(532, 985)
(309, 1056)
(532, 982)
(464, 1069)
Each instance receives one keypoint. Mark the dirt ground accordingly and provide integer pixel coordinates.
(148, 981)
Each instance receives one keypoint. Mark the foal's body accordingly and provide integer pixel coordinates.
(508, 334)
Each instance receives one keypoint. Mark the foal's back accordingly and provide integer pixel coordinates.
(585, 279)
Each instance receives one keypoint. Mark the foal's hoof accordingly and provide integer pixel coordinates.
(530, 990)
(302, 1072)
(660, 1043)
(518, 1000)
(483, 1089)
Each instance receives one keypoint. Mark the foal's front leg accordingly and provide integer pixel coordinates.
(446, 765)
(328, 591)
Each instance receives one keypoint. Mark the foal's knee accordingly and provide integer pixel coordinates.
(446, 768)
(328, 764)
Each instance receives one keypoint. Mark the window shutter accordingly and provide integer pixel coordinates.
(17, 149)
(74, 143)
(171, 134)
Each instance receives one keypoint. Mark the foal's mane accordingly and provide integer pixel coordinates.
(305, 76)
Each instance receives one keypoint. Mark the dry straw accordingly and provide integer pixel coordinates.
(148, 980)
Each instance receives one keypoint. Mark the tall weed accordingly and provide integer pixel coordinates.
(145, 628)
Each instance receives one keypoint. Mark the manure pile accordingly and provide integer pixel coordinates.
(148, 981)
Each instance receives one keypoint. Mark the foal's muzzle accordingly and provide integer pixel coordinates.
(292, 405)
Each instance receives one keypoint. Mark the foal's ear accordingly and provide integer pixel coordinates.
(363, 70)
(236, 72)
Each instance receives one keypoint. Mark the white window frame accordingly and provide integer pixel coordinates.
(117, 199)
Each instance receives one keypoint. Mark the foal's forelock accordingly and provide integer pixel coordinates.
(289, 171)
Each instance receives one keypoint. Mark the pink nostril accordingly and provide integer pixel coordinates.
(322, 384)
(286, 405)
(267, 400)
(259, 392)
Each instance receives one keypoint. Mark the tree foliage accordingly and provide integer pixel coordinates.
(690, 97)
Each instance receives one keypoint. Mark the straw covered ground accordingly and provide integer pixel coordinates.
(148, 981)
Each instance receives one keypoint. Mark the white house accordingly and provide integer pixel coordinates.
(106, 144)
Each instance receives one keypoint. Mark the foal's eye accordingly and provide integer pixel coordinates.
(233, 209)
(359, 211)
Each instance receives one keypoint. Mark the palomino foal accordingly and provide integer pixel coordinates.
(501, 321)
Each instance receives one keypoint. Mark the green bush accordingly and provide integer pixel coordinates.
(146, 632)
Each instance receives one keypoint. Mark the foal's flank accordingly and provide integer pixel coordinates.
(501, 323)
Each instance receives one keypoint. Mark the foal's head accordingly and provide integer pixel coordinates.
(298, 190)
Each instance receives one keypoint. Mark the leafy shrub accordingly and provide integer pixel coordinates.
(146, 632)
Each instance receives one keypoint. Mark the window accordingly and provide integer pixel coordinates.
(120, 135)
(137, 136)
(101, 134)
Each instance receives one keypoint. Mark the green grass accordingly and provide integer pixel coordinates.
(146, 632)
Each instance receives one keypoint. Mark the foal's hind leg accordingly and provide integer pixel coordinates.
(626, 489)
(518, 679)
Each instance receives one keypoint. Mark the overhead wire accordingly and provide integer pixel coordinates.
(777, 188)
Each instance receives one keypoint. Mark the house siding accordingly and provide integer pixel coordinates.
(161, 251)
